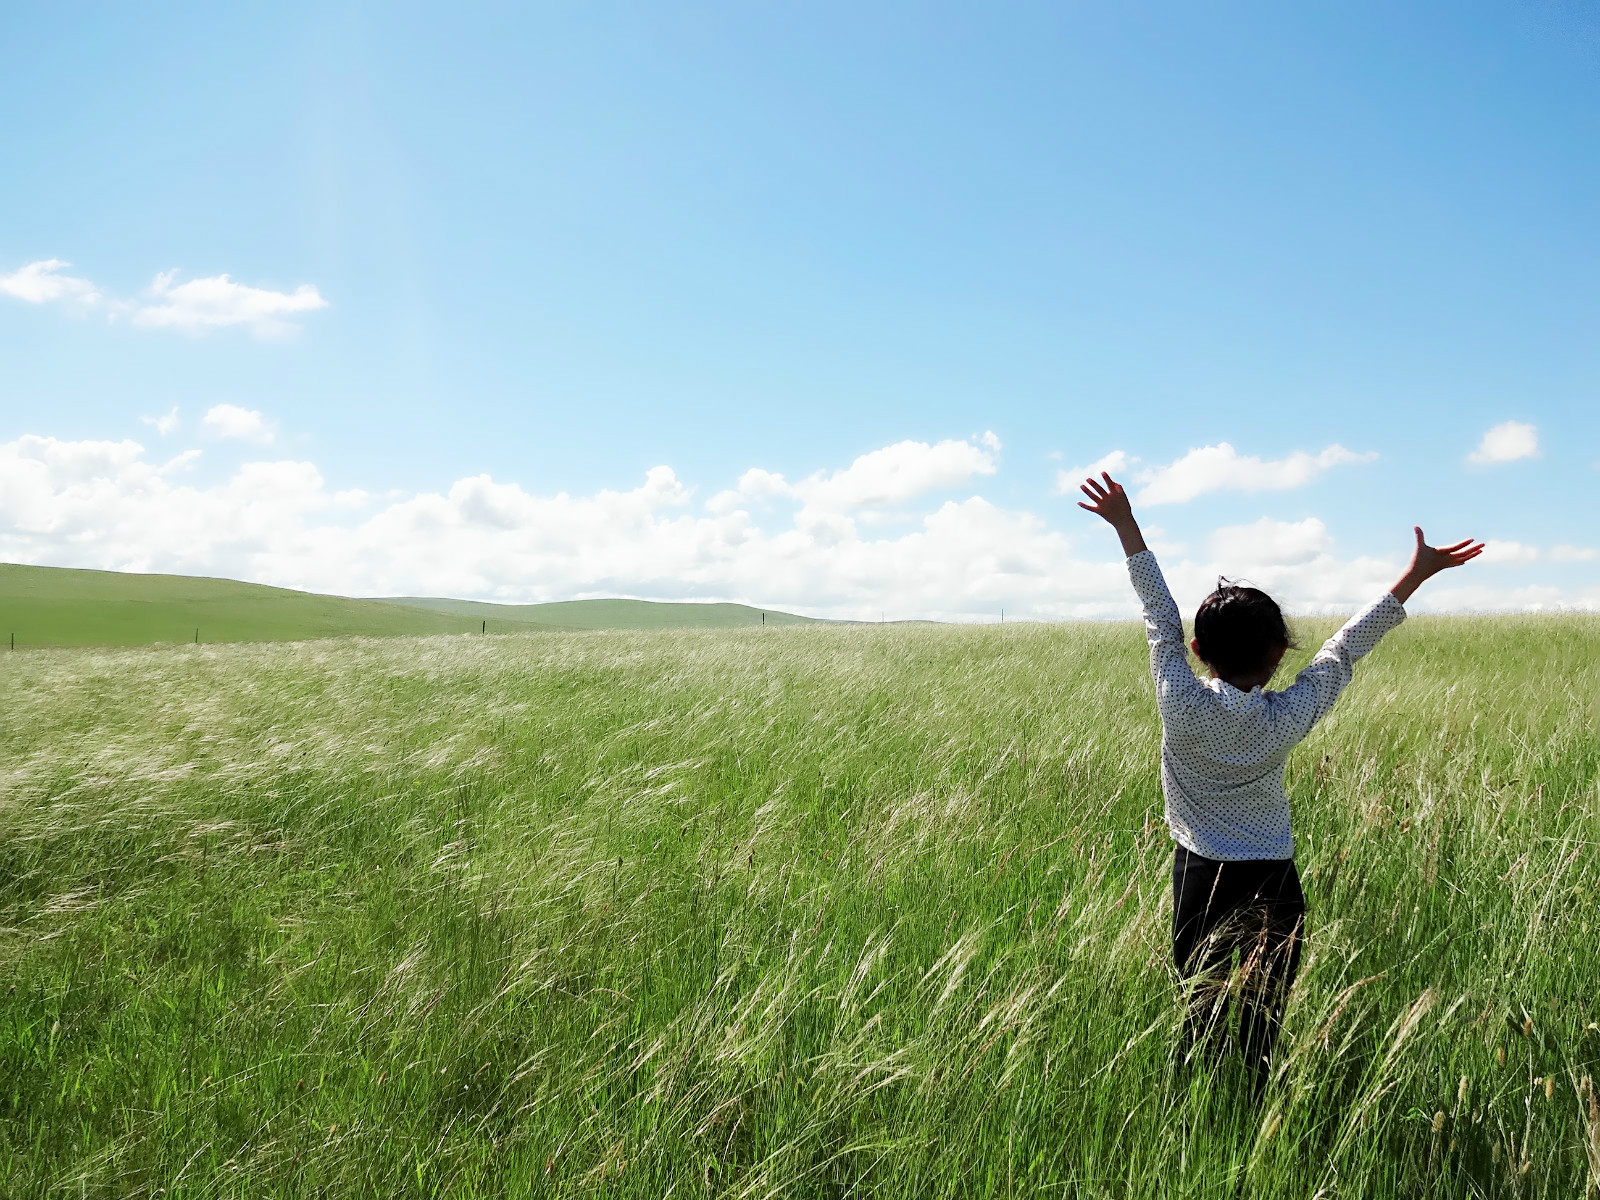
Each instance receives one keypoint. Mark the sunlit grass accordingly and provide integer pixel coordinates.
(869, 911)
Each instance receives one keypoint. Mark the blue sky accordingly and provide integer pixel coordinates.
(490, 272)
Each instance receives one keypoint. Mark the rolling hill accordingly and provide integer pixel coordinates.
(605, 614)
(64, 606)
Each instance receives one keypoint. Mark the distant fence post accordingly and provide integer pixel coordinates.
(485, 628)
(197, 635)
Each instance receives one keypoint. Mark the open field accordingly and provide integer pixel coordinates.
(807, 911)
(61, 606)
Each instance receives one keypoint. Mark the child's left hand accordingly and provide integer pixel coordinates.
(1427, 561)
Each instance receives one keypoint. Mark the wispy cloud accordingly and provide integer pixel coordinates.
(43, 283)
(1507, 442)
(1508, 553)
(217, 301)
(195, 306)
(1520, 554)
(1573, 554)
(1218, 468)
(231, 421)
(166, 423)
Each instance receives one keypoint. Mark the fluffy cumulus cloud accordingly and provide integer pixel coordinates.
(1507, 442)
(1218, 468)
(1270, 543)
(882, 479)
(229, 421)
(194, 306)
(951, 554)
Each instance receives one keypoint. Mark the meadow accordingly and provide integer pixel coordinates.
(805, 911)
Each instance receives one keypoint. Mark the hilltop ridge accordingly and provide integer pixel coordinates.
(71, 606)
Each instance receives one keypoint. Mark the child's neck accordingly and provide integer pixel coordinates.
(1245, 683)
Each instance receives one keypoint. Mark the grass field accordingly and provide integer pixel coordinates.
(60, 606)
(815, 911)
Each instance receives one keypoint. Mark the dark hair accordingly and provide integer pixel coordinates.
(1238, 628)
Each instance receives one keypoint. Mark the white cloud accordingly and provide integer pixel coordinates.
(1210, 469)
(1573, 554)
(104, 504)
(42, 282)
(1118, 462)
(1500, 552)
(217, 301)
(1509, 554)
(164, 424)
(194, 307)
(231, 421)
(1507, 442)
(883, 478)
(1222, 468)
(1270, 543)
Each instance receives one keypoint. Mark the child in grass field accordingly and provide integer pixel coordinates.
(1224, 742)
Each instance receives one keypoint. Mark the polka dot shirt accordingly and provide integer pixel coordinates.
(1223, 750)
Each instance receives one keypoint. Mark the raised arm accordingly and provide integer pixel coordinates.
(1317, 687)
(1169, 659)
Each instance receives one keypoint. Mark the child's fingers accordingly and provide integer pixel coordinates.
(1461, 545)
(1089, 507)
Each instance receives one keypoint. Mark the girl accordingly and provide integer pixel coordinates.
(1224, 742)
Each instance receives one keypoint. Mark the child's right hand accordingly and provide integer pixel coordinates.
(1109, 501)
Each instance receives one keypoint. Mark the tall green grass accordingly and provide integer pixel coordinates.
(807, 911)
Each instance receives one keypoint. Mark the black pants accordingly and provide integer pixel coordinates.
(1254, 908)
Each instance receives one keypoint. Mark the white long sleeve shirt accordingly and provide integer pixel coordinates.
(1223, 750)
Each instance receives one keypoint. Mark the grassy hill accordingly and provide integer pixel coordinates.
(61, 606)
(605, 614)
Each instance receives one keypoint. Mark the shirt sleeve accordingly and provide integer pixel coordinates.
(1316, 688)
(1169, 654)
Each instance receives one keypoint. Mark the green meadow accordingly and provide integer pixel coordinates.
(60, 606)
(804, 911)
